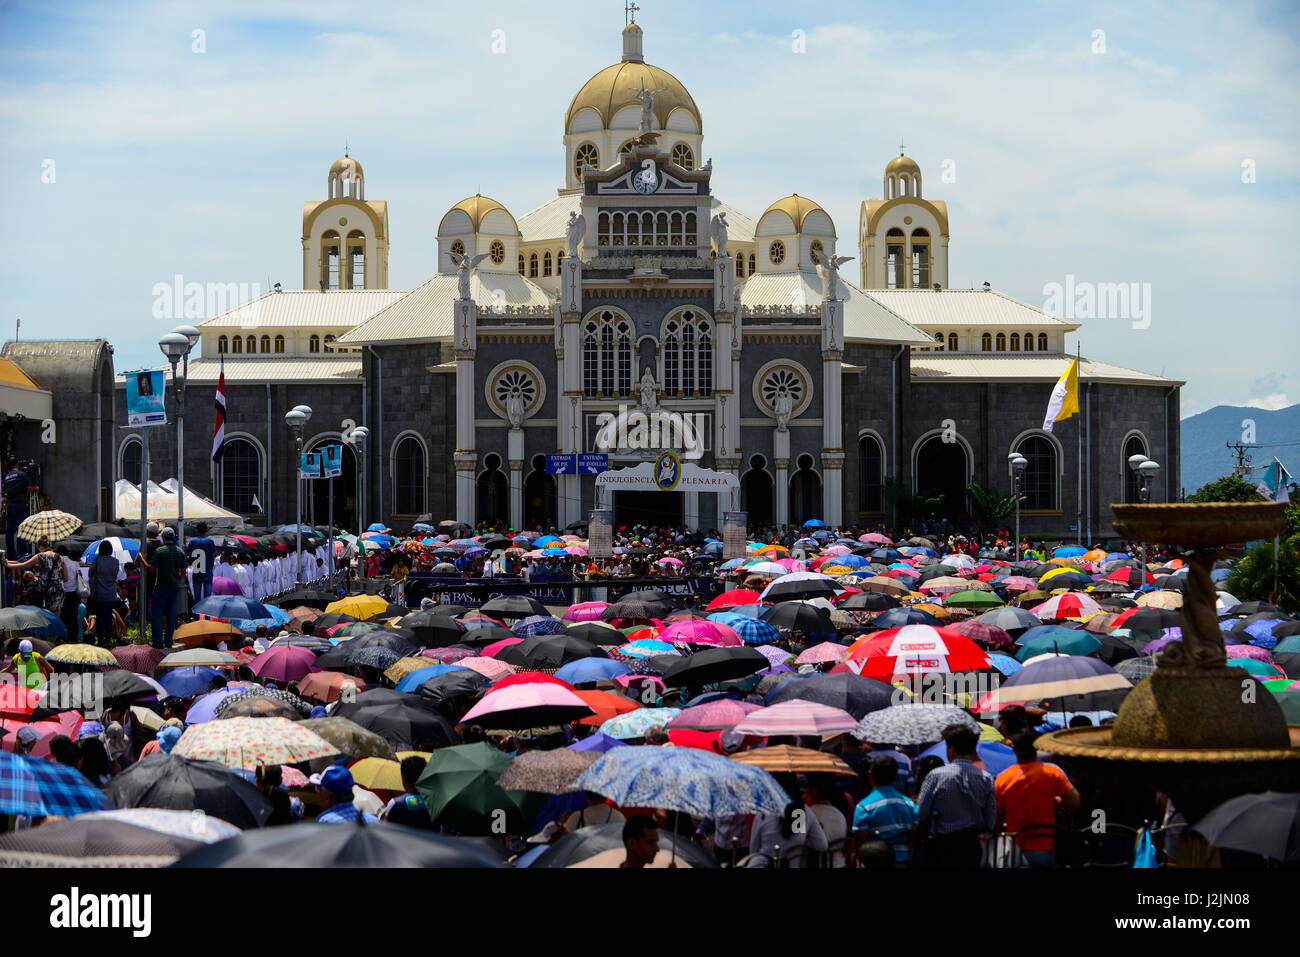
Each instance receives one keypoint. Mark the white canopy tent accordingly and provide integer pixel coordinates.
(163, 504)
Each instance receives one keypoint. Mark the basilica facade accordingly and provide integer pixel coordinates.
(637, 288)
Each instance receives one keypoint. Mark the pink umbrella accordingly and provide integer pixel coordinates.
(226, 586)
(284, 663)
(702, 633)
(67, 722)
(837, 550)
(876, 538)
(819, 654)
(291, 777)
(586, 611)
(570, 538)
(576, 550)
(1250, 651)
(489, 668)
(494, 649)
(670, 561)
(796, 718)
(793, 564)
(721, 715)
(447, 656)
(1018, 583)
(531, 705)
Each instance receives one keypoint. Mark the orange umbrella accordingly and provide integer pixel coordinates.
(205, 632)
(327, 686)
(778, 551)
(605, 705)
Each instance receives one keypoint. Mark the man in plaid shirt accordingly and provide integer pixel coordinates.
(957, 803)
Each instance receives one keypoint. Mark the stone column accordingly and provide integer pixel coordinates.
(832, 412)
(568, 349)
(515, 455)
(832, 488)
(465, 343)
(781, 460)
(691, 509)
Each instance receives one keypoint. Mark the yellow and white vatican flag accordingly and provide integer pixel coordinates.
(1065, 398)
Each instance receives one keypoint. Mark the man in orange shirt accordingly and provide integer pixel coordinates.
(1029, 794)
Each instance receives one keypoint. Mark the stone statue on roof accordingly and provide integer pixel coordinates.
(575, 231)
(464, 265)
(647, 98)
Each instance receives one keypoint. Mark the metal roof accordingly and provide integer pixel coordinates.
(424, 314)
(549, 221)
(965, 307)
(276, 369)
(334, 308)
(1035, 367)
(864, 319)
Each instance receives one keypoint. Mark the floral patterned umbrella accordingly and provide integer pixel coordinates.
(249, 742)
(634, 724)
(701, 784)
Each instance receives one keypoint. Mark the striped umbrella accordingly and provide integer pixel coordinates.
(1071, 605)
(786, 759)
(796, 717)
(1052, 678)
(51, 524)
(914, 649)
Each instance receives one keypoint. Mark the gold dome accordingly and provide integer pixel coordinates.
(797, 208)
(902, 164)
(477, 207)
(346, 164)
(615, 87)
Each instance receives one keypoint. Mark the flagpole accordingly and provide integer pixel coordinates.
(1078, 514)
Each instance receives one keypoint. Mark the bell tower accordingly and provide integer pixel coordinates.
(345, 237)
(903, 238)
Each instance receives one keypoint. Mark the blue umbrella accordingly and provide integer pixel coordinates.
(124, 549)
(701, 784)
(591, 669)
(554, 551)
(422, 527)
(535, 625)
(204, 708)
(1005, 664)
(898, 617)
(850, 561)
(232, 606)
(1069, 551)
(386, 541)
(731, 563)
(40, 788)
(548, 540)
(381, 527)
(306, 529)
(276, 618)
(752, 631)
(598, 742)
(887, 555)
(372, 656)
(917, 550)
(807, 543)
(418, 677)
(814, 523)
(997, 757)
(712, 548)
(187, 682)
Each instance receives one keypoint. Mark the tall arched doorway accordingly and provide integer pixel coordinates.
(493, 491)
(942, 470)
(805, 492)
(756, 492)
(539, 496)
(316, 495)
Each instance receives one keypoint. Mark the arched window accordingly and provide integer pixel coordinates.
(1133, 445)
(251, 342)
(1029, 342)
(330, 259)
(546, 263)
(313, 344)
(266, 344)
(756, 491)
(493, 490)
(329, 343)
(871, 475)
(740, 266)
(279, 343)
(1039, 483)
(523, 266)
(1042, 342)
(753, 263)
(805, 492)
(683, 156)
(539, 495)
(129, 458)
(938, 340)
(236, 345)
(986, 342)
(585, 155)
(1015, 342)
(1002, 342)
(607, 356)
(458, 248)
(920, 258)
(895, 263)
(602, 234)
(356, 260)
(952, 342)
(241, 476)
(532, 266)
(661, 229)
(223, 344)
(687, 343)
(408, 476)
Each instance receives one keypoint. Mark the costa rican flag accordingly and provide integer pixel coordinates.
(219, 436)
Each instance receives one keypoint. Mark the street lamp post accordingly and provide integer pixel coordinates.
(1018, 465)
(176, 346)
(1146, 471)
(297, 418)
(359, 436)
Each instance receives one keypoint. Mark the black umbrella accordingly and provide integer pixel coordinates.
(1289, 662)
(404, 720)
(1115, 649)
(495, 540)
(170, 781)
(109, 530)
(634, 609)
(1092, 701)
(856, 694)
(1153, 619)
(870, 601)
(1114, 603)
(513, 606)
(40, 646)
(713, 665)
(590, 841)
(449, 527)
(306, 597)
(596, 634)
(1254, 608)
(392, 611)
(1013, 621)
(432, 630)
(796, 587)
(450, 611)
(89, 840)
(936, 571)
(462, 681)
(1286, 629)
(389, 638)
(549, 651)
(795, 616)
(482, 637)
(1110, 588)
(343, 845)
(898, 617)
(1266, 824)
(330, 619)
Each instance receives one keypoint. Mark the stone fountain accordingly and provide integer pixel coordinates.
(1197, 730)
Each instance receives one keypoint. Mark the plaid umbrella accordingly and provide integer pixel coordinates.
(697, 782)
(275, 694)
(752, 631)
(349, 738)
(138, 658)
(550, 772)
(249, 742)
(634, 724)
(535, 625)
(980, 631)
(1136, 669)
(912, 724)
(796, 717)
(41, 788)
(51, 523)
(786, 759)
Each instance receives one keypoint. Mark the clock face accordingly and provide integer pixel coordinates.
(646, 181)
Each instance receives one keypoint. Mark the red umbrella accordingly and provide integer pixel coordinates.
(702, 740)
(914, 649)
(284, 663)
(605, 705)
(530, 678)
(67, 722)
(141, 659)
(19, 703)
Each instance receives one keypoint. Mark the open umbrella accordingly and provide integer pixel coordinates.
(690, 780)
(634, 724)
(231, 606)
(513, 607)
(857, 695)
(329, 686)
(913, 650)
(532, 705)
(547, 772)
(205, 631)
(328, 846)
(1267, 824)
(714, 665)
(38, 787)
(348, 737)
(787, 759)
(251, 742)
(403, 720)
(906, 724)
(459, 786)
(51, 524)
(284, 663)
(1052, 678)
(171, 781)
(796, 718)
(721, 715)
(549, 651)
(90, 840)
(590, 843)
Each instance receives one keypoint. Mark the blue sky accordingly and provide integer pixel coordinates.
(1117, 166)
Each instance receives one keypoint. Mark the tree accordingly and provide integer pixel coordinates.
(988, 506)
(1253, 575)
(1230, 488)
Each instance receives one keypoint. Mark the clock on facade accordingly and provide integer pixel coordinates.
(646, 181)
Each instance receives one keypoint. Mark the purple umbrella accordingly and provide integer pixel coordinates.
(1250, 651)
(226, 586)
(721, 715)
(1157, 646)
(204, 708)
(778, 656)
(284, 663)
(599, 742)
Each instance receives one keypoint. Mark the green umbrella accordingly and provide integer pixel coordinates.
(1290, 702)
(459, 785)
(974, 599)
(1065, 641)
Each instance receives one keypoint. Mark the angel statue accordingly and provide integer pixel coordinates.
(831, 274)
(515, 407)
(649, 392)
(647, 98)
(783, 406)
(718, 228)
(464, 265)
(575, 231)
